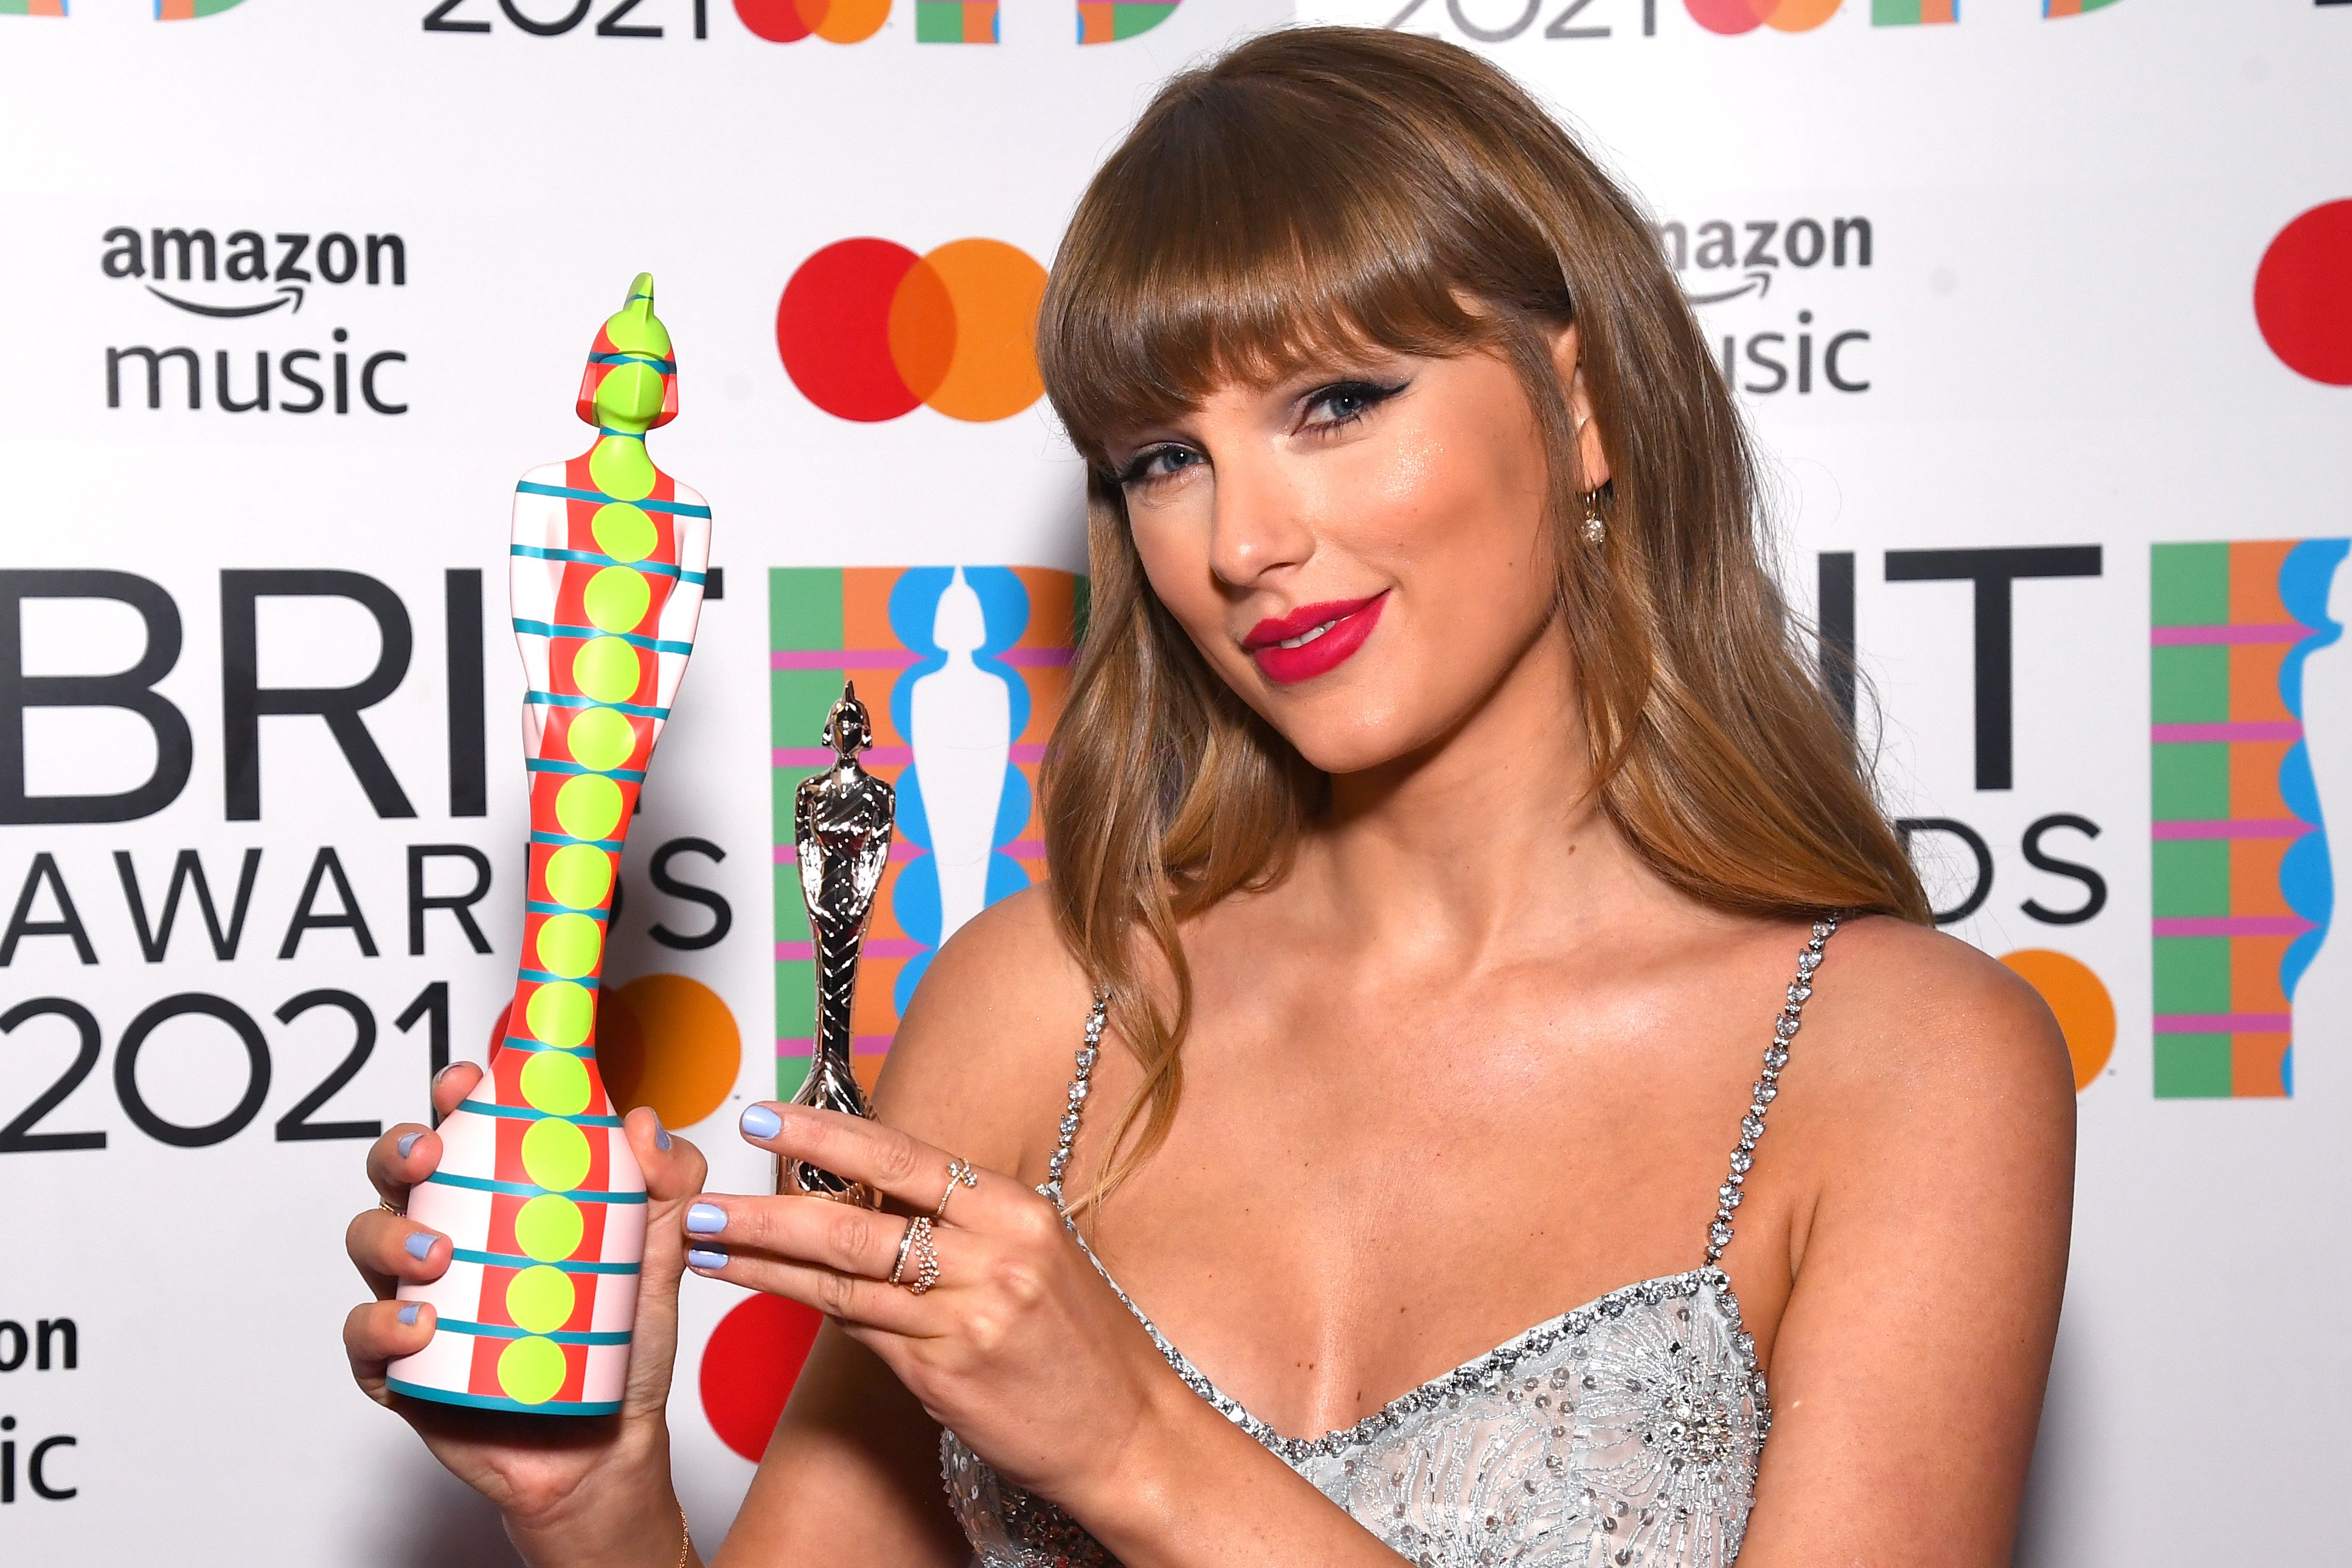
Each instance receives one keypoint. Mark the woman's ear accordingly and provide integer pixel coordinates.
(1567, 359)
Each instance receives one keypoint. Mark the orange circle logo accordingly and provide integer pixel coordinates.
(868, 330)
(834, 21)
(669, 1042)
(2079, 1000)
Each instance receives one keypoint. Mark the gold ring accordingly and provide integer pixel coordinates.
(906, 1242)
(926, 1259)
(386, 1206)
(959, 1171)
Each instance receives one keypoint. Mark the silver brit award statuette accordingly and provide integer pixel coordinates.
(841, 831)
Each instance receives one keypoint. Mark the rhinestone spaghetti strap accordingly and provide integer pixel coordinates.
(1767, 1088)
(1078, 1085)
(1624, 1433)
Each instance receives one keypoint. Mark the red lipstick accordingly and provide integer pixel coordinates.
(1332, 631)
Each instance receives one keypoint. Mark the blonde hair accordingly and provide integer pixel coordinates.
(1327, 188)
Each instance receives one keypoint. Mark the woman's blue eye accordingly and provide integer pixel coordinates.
(1349, 400)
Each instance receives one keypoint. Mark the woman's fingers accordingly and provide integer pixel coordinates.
(868, 1303)
(885, 1158)
(674, 1167)
(835, 1236)
(388, 1248)
(452, 1084)
(380, 1332)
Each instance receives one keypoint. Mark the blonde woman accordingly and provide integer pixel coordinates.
(1449, 838)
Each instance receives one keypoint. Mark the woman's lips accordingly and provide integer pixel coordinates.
(1313, 638)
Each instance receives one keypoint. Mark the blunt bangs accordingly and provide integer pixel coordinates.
(1254, 228)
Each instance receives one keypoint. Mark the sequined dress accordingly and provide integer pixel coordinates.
(1624, 1431)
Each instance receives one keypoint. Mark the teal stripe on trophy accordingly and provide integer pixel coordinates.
(492, 1401)
(525, 1190)
(508, 1332)
(515, 1260)
(525, 1113)
(674, 508)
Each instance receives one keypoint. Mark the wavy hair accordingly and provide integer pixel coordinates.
(1322, 189)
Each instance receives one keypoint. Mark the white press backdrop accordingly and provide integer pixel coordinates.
(2047, 340)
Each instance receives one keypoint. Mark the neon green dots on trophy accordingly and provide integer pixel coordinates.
(541, 1299)
(531, 1371)
(606, 670)
(561, 1013)
(548, 1227)
(580, 875)
(555, 1082)
(624, 532)
(616, 598)
(569, 945)
(589, 807)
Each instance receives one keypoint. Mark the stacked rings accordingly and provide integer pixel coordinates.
(916, 1245)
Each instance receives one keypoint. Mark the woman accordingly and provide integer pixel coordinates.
(1446, 828)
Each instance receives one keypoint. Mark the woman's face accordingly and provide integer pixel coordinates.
(1362, 551)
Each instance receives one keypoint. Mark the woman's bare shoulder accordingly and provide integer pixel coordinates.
(984, 1050)
(1917, 1041)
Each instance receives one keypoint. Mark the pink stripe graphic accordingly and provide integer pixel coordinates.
(902, 659)
(2234, 925)
(879, 756)
(2249, 730)
(874, 947)
(2178, 637)
(2235, 828)
(2224, 1022)
(859, 1044)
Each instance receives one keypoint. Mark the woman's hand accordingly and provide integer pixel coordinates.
(1022, 1348)
(533, 1468)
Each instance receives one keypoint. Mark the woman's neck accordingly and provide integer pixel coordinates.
(1487, 836)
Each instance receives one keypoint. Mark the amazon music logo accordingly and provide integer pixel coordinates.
(233, 281)
(1765, 265)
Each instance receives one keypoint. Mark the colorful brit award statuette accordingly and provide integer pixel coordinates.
(536, 1189)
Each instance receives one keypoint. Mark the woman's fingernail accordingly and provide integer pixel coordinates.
(408, 1314)
(705, 1258)
(661, 1134)
(419, 1243)
(407, 1142)
(705, 1219)
(442, 1074)
(759, 1121)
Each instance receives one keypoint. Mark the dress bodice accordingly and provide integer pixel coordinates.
(1625, 1432)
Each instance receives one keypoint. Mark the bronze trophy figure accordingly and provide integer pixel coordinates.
(841, 831)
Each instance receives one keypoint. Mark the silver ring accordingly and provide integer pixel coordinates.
(905, 1242)
(959, 1170)
(926, 1259)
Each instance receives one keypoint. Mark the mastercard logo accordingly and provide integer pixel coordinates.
(1746, 15)
(2303, 294)
(869, 330)
(834, 21)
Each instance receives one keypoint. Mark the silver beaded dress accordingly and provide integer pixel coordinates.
(1625, 1432)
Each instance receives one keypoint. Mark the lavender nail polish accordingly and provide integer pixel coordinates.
(759, 1121)
(706, 1257)
(408, 1314)
(661, 1136)
(705, 1219)
(420, 1243)
(407, 1142)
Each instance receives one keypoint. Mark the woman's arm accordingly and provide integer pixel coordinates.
(1908, 1371)
(1023, 1348)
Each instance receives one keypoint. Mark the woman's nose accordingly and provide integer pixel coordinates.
(1258, 521)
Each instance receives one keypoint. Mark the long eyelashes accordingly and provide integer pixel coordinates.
(1340, 405)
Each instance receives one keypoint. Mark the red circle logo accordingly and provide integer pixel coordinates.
(2303, 294)
(869, 330)
(749, 1367)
